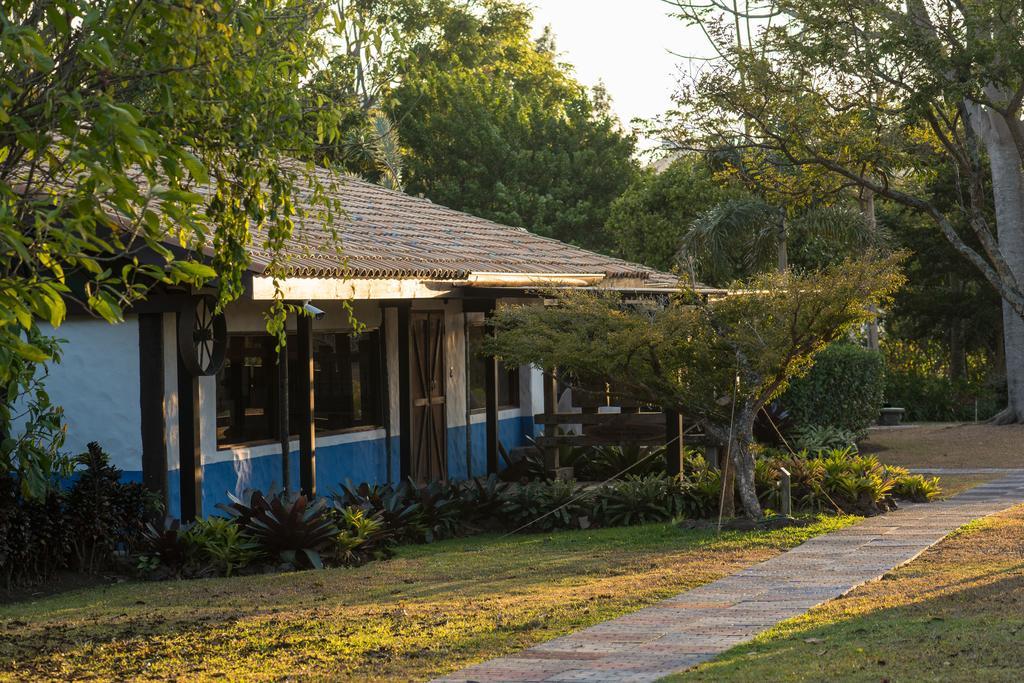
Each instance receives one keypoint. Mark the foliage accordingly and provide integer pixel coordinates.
(844, 389)
(292, 530)
(546, 505)
(648, 220)
(912, 487)
(857, 484)
(106, 515)
(917, 379)
(639, 500)
(482, 498)
(818, 438)
(363, 537)
(929, 102)
(125, 125)
(35, 537)
(165, 544)
(688, 355)
(31, 428)
(702, 490)
(223, 544)
(439, 509)
(598, 463)
(497, 127)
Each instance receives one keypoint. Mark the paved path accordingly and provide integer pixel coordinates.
(697, 625)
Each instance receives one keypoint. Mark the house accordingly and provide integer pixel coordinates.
(192, 403)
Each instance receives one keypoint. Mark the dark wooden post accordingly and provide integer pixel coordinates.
(404, 390)
(151, 404)
(675, 449)
(306, 427)
(551, 463)
(190, 468)
(283, 421)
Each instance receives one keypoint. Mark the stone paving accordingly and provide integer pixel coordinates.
(697, 625)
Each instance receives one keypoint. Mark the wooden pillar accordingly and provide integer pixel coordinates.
(404, 390)
(675, 450)
(151, 404)
(190, 469)
(283, 421)
(551, 463)
(306, 426)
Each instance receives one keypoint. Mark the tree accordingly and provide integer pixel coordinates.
(716, 363)
(882, 94)
(113, 113)
(648, 220)
(495, 126)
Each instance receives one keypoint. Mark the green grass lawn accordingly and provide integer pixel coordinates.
(954, 614)
(430, 610)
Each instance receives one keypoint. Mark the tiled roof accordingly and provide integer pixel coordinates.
(388, 234)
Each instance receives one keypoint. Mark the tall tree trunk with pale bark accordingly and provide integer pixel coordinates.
(1008, 192)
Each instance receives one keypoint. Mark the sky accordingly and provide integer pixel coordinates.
(624, 43)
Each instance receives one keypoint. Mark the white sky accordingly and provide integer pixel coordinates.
(626, 44)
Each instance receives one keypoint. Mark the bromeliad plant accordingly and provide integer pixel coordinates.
(638, 500)
(292, 530)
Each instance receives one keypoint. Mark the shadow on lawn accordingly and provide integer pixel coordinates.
(492, 589)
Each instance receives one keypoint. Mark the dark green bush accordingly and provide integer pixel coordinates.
(845, 389)
(547, 505)
(638, 500)
(917, 380)
(105, 515)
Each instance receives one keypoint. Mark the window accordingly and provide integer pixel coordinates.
(508, 376)
(346, 385)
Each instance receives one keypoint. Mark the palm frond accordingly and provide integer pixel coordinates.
(733, 239)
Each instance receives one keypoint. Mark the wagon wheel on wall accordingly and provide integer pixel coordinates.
(202, 336)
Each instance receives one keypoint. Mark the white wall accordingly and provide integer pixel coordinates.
(97, 384)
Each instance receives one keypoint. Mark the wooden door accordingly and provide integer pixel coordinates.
(429, 426)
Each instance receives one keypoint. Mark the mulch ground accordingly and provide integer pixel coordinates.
(948, 445)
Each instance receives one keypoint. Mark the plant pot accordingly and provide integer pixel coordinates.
(891, 417)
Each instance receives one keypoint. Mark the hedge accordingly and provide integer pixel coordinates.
(845, 388)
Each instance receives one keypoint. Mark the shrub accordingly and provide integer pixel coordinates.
(702, 486)
(603, 462)
(844, 389)
(917, 380)
(638, 500)
(364, 537)
(816, 438)
(915, 488)
(222, 545)
(104, 514)
(439, 509)
(482, 499)
(546, 505)
(35, 539)
(292, 530)
(167, 550)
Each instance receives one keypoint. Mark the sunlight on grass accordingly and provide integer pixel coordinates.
(954, 614)
(430, 610)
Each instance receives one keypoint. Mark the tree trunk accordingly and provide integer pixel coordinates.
(957, 351)
(743, 463)
(867, 208)
(1008, 192)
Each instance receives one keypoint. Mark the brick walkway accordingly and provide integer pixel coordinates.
(695, 626)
